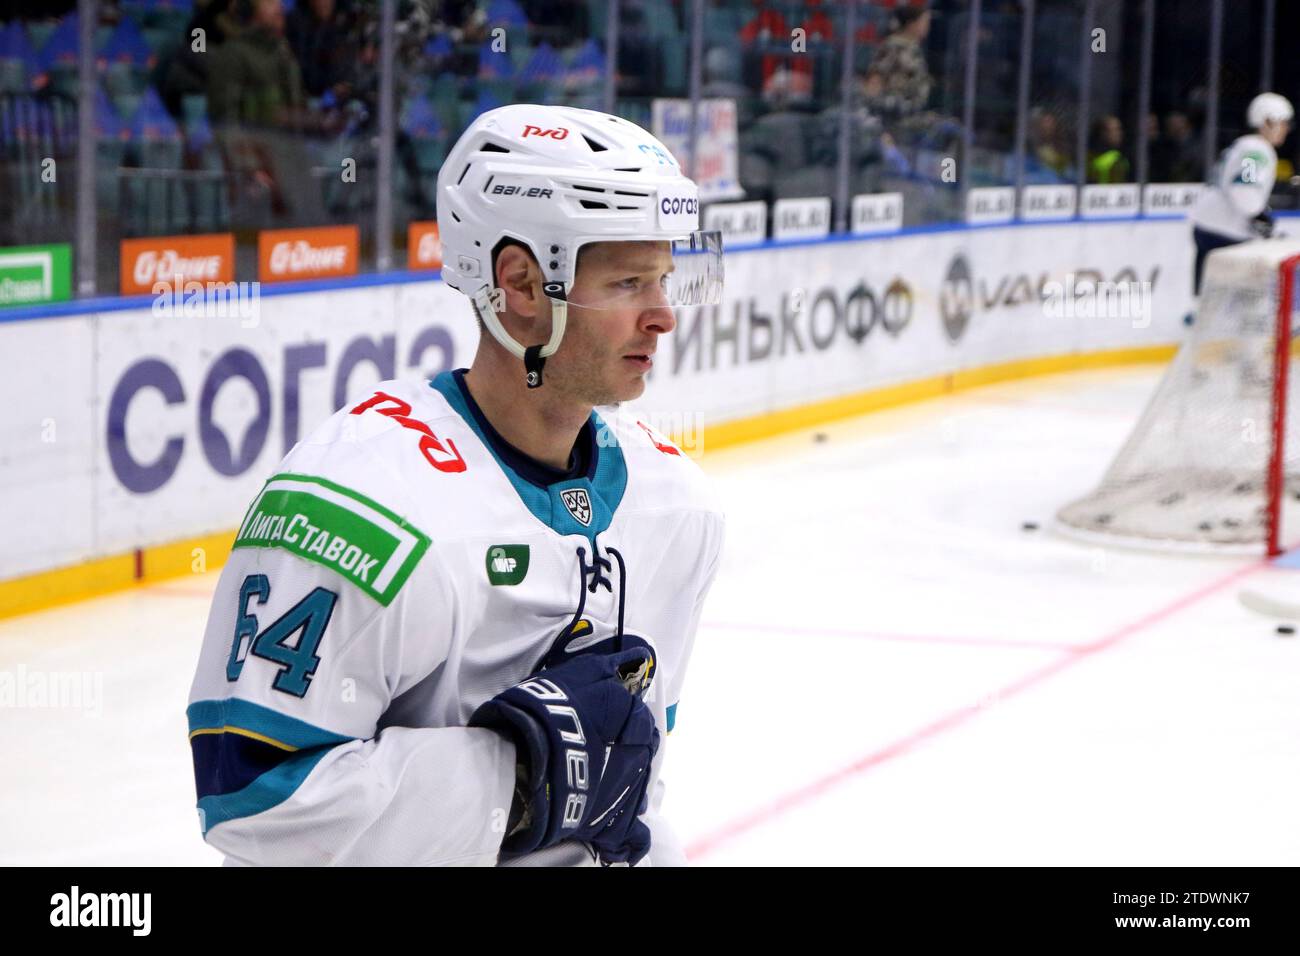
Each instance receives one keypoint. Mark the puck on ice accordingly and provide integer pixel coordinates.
(1029, 526)
(819, 436)
(1287, 629)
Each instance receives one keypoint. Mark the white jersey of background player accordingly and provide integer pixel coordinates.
(1234, 205)
(420, 552)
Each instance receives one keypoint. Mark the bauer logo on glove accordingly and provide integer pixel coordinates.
(586, 741)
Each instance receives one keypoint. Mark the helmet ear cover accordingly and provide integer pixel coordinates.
(512, 241)
(548, 288)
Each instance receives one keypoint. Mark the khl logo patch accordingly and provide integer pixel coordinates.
(578, 503)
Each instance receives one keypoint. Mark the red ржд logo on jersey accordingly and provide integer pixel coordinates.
(655, 436)
(432, 446)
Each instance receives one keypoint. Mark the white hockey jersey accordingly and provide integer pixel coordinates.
(404, 565)
(1238, 190)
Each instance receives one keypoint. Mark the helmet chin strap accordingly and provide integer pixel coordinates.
(533, 363)
(534, 356)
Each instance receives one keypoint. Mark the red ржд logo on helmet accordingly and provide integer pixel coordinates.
(558, 133)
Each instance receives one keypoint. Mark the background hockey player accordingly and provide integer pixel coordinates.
(1234, 206)
(456, 622)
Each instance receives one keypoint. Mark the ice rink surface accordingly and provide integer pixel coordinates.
(890, 670)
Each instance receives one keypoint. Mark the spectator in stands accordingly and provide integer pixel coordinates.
(465, 25)
(787, 90)
(818, 32)
(1106, 162)
(359, 82)
(362, 132)
(321, 38)
(254, 79)
(722, 81)
(899, 95)
(557, 22)
(765, 30)
(186, 72)
(869, 144)
(1176, 155)
(900, 63)
(778, 148)
(765, 26)
(255, 106)
(722, 74)
(638, 55)
(1047, 144)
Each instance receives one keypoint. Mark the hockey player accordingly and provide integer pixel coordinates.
(455, 623)
(1234, 206)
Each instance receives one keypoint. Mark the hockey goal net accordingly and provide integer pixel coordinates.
(1214, 455)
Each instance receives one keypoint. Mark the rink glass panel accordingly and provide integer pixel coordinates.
(448, 73)
(190, 139)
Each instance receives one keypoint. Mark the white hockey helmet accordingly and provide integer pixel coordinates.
(1268, 106)
(554, 178)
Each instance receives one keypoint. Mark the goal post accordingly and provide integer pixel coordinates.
(1216, 452)
(1281, 381)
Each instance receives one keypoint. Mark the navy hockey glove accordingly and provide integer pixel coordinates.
(587, 743)
(578, 641)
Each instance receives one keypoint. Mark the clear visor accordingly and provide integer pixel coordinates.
(692, 275)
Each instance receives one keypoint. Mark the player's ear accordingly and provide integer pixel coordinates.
(520, 281)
